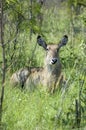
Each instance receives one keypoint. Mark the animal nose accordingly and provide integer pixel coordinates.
(54, 60)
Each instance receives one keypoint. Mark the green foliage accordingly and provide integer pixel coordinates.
(39, 110)
(21, 17)
(23, 13)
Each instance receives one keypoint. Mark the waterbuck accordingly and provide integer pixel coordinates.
(50, 75)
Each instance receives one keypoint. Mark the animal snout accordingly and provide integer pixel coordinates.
(54, 60)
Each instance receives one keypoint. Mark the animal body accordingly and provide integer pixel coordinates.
(50, 75)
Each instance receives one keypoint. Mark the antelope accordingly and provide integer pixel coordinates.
(50, 75)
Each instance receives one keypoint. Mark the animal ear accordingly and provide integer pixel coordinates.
(63, 41)
(41, 42)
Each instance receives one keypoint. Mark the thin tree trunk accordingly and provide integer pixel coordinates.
(3, 58)
(78, 113)
(31, 15)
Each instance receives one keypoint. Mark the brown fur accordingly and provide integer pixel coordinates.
(49, 76)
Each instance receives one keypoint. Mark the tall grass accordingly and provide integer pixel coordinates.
(40, 110)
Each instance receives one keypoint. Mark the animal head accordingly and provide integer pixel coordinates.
(52, 55)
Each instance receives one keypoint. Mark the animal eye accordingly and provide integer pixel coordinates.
(57, 49)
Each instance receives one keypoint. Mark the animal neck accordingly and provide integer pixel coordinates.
(54, 69)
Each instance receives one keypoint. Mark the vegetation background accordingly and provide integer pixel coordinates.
(38, 110)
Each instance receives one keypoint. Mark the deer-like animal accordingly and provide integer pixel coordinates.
(50, 75)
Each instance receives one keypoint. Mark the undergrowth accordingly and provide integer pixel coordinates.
(40, 110)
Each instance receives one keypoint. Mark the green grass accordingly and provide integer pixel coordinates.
(23, 110)
(39, 110)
